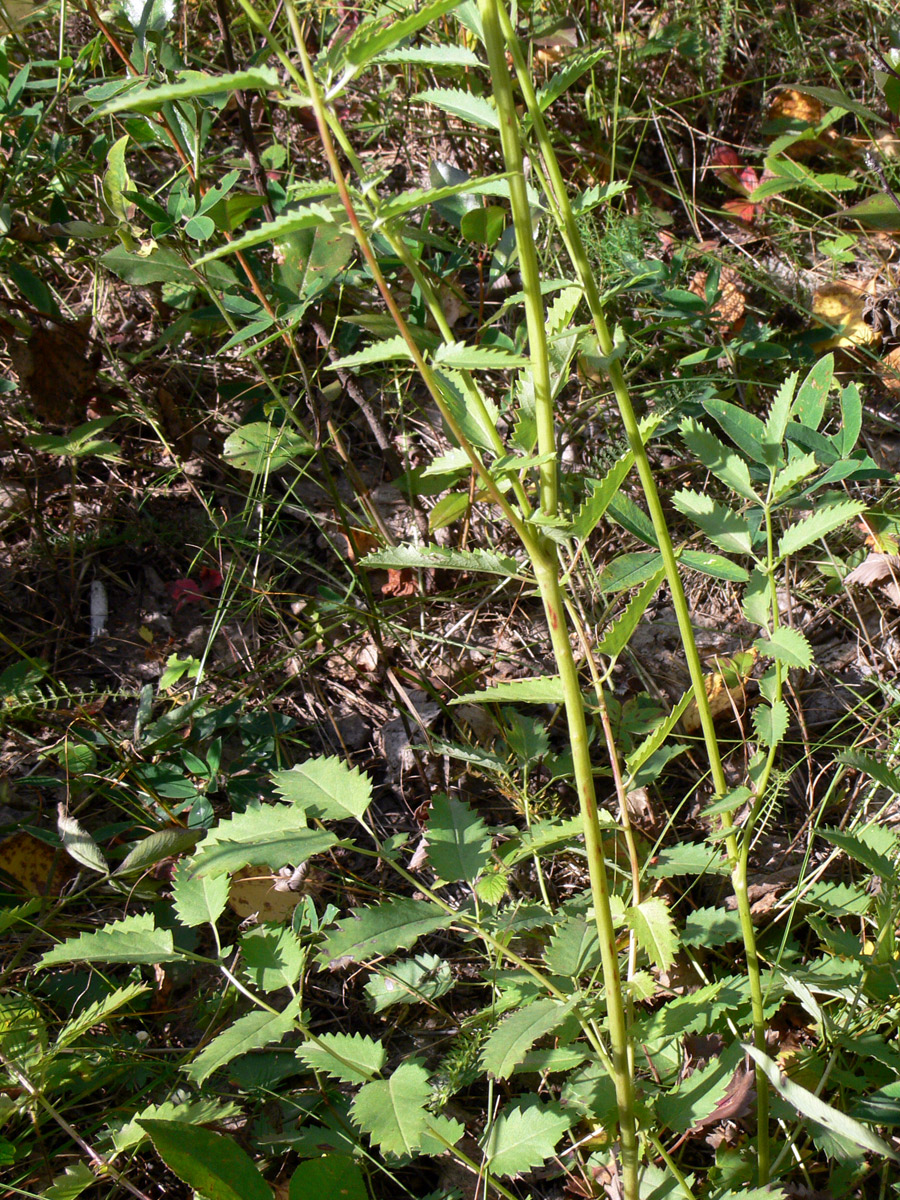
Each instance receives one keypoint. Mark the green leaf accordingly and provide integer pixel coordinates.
(746, 430)
(250, 1032)
(723, 526)
(165, 843)
(198, 901)
(432, 56)
(778, 416)
(270, 834)
(261, 447)
(619, 633)
(524, 1136)
(273, 955)
(79, 844)
(404, 202)
(574, 949)
(875, 769)
(425, 557)
(809, 407)
(757, 599)
(461, 357)
(116, 179)
(689, 1105)
(629, 570)
(382, 929)
(874, 212)
(770, 722)
(851, 420)
(603, 492)
(652, 925)
(787, 646)
(475, 109)
(809, 1105)
(133, 939)
(516, 1034)
(833, 97)
(163, 265)
(326, 789)
(192, 84)
(711, 927)
(351, 1058)
(545, 689)
(655, 738)
(459, 844)
(98, 1012)
(212, 1164)
(392, 349)
(381, 32)
(410, 981)
(392, 1111)
(686, 858)
(725, 464)
(75, 1180)
(821, 521)
(332, 1177)
(127, 1135)
(866, 846)
(572, 70)
(309, 217)
(791, 476)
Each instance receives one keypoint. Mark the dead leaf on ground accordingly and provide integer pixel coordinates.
(726, 689)
(38, 868)
(841, 305)
(797, 107)
(57, 368)
(889, 370)
(883, 569)
(258, 891)
(728, 309)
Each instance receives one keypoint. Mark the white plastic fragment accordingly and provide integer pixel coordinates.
(99, 610)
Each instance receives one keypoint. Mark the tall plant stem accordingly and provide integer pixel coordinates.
(546, 566)
(558, 195)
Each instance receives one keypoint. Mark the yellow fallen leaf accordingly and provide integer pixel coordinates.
(257, 891)
(726, 689)
(840, 305)
(37, 868)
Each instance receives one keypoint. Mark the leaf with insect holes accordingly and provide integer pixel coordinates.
(815, 1109)
(524, 1136)
(516, 1034)
(275, 834)
(787, 646)
(213, 1164)
(652, 925)
(382, 929)
(820, 522)
(723, 526)
(325, 788)
(392, 1111)
(250, 1032)
(349, 1057)
(770, 723)
(133, 940)
(459, 844)
(198, 901)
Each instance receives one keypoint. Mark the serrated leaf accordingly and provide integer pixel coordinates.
(459, 844)
(98, 1012)
(771, 723)
(727, 465)
(687, 1106)
(349, 1057)
(655, 738)
(377, 33)
(815, 1109)
(788, 646)
(757, 599)
(425, 977)
(133, 939)
(524, 1136)
(71, 1183)
(459, 103)
(574, 949)
(714, 565)
(392, 349)
(382, 929)
(492, 887)
(194, 1112)
(325, 788)
(460, 357)
(602, 493)
(212, 1164)
(723, 526)
(79, 844)
(879, 771)
(392, 1111)
(574, 67)
(272, 834)
(424, 557)
(546, 689)
(652, 925)
(790, 477)
(194, 83)
(261, 447)
(779, 414)
(198, 901)
(516, 1034)
(866, 846)
(309, 217)
(432, 56)
(629, 570)
(687, 858)
(404, 202)
(250, 1032)
(820, 522)
(744, 428)
(273, 956)
(711, 927)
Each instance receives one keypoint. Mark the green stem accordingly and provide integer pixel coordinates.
(572, 238)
